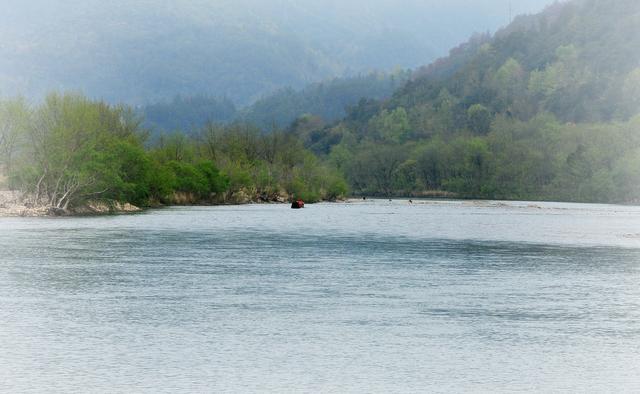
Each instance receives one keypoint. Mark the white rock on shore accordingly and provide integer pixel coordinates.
(103, 208)
(12, 204)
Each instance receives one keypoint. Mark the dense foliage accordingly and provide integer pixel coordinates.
(545, 109)
(70, 150)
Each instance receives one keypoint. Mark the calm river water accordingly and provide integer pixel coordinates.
(362, 297)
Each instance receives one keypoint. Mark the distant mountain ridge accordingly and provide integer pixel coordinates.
(145, 51)
(328, 100)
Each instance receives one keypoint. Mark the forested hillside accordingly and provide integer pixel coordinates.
(544, 109)
(327, 100)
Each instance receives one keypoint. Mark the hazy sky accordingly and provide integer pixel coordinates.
(142, 49)
(28, 14)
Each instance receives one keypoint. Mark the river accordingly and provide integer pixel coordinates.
(371, 296)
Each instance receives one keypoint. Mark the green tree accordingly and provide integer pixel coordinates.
(631, 93)
(434, 163)
(373, 169)
(392, 126)
(14, 115)
(479, 118)
(76, 152)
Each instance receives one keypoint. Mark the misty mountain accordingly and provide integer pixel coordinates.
(147, 51)
(328, 100)
(187, 113)
(547, 108)
(578, 60)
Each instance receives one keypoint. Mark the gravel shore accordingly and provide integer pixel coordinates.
(12, 204)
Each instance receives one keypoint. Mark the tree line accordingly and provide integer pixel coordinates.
(70, 150)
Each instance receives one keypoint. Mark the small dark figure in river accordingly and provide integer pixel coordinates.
(298, 204)
(410, 201)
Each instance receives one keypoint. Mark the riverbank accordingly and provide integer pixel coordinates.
(14, 204)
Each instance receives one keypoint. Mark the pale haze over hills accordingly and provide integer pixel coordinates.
(144, 51)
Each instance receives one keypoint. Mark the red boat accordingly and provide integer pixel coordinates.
(298, 204)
